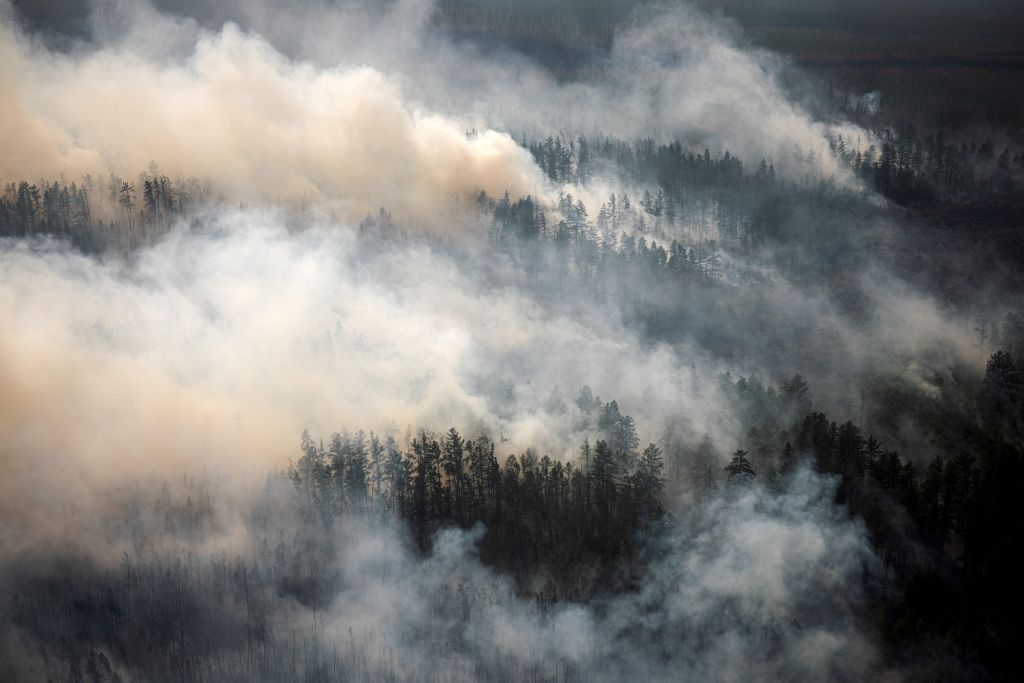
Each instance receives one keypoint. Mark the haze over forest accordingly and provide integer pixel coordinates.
(462, 340)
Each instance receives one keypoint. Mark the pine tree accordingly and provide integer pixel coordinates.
(739, 469)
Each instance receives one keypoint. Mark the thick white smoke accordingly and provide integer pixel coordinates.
(370, 110)
(215, 348)
(258, 125)
(748, 587)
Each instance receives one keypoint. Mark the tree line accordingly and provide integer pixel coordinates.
(945, 531)
(945, 528)
(537, 512)
(914, 169)
(97, 214)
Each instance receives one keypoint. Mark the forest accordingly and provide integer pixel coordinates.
(467, 340)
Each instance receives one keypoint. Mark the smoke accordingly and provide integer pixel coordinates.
(215, 347)
(748, 584)
(752, 585)
(220, 344)
(671, 71)
(257, 124)
(212, 349)
(372, 108)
